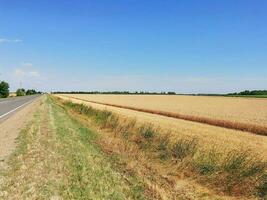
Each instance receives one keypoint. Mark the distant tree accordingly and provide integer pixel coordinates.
(171, 93)
(20, 92)
(246, 92)
(4, 89)
(31, 92)
(252, 92)
(116, 92)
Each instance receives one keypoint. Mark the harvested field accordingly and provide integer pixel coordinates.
(235, 113)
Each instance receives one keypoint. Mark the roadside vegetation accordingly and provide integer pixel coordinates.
(58, 158)
(23, 92)
(20, 92)
(4, 91)
(240, 173)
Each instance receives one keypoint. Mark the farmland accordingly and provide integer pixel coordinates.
(185, 140)
(208, 134)
(243, 110)
(76, 149)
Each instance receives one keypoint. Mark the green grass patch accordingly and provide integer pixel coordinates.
(90, 172)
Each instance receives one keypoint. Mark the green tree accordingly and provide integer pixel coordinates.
(31, 92)
(21, 92)
(4, 89)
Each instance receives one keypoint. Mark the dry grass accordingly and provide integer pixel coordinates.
(12, 94)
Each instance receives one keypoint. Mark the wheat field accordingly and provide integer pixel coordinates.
(208, 134)
(245, 110)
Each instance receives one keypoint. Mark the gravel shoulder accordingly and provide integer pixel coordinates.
(10, 129)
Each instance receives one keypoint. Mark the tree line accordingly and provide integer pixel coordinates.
(115, 92)
(23, 92)
(244, 93)
(252, 92)
(4, 90)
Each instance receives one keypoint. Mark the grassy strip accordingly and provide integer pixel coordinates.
(29, 173)
(232, 172)
(90, 173)
(253, 128)
(59, 158)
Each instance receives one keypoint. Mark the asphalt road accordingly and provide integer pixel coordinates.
(10, 106)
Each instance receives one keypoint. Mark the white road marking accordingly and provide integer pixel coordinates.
(15, 109)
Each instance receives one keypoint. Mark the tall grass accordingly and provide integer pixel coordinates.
(234, 172)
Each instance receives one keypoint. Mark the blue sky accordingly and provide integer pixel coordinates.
(184, 46)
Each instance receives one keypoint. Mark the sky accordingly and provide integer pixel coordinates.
(188, 46)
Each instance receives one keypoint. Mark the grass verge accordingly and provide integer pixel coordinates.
(58, 158)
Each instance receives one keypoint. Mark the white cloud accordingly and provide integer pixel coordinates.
(4, 40)
(26, 71)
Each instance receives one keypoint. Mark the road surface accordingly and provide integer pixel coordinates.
(10, 106)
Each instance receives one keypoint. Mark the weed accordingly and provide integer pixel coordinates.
(147, 132)
(163, 148)
(241, 169)
(206, 163)
(183, 148)
(112, 122)
(127, 128)
(262, 188)
(242, 163)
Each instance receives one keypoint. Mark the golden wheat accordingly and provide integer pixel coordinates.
(245, 110)
(208, 135)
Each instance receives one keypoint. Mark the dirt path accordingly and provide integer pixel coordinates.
(10, 128)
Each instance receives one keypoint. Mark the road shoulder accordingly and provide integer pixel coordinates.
(10, 129)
